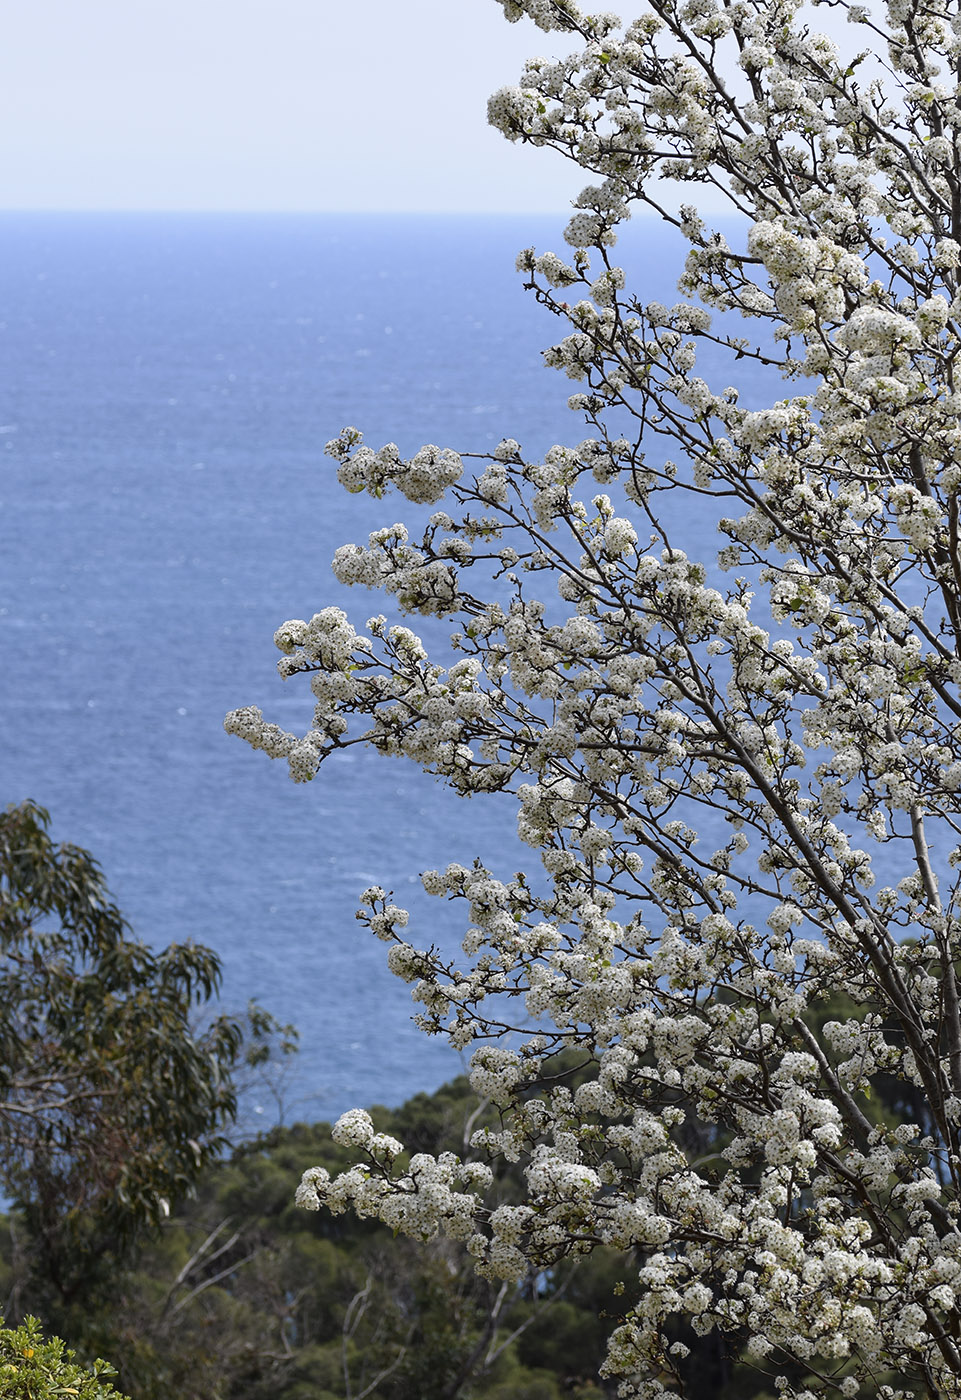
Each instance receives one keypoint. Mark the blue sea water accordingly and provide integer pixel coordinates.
(167, 386)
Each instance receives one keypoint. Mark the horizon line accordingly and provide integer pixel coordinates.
(639, 216)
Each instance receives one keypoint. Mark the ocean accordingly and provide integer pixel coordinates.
(168, 383)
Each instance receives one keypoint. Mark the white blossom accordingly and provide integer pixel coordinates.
(741, 781)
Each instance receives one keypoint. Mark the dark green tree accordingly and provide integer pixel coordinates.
(111, 1103)
(243, 1297)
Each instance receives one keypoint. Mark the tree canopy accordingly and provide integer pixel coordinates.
(243, 1297)
(111, 1101)
(743, 795)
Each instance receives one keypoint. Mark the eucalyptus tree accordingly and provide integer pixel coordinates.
(111, 1101)
(740, 793)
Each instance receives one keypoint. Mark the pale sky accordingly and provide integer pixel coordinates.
(360, 105)
(335, 105)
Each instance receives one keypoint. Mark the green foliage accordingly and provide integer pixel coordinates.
(34, 1369)
(241, 1296)
(111, 1104)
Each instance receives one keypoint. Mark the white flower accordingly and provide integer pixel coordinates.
(354, 1129)
(740, 790)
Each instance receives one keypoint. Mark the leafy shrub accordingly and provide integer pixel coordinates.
(34, 1369)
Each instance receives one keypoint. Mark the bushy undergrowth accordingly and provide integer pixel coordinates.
(34, 1368)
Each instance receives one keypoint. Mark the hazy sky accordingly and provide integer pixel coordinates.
(266, 104)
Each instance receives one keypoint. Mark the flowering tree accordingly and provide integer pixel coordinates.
(811, 737)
